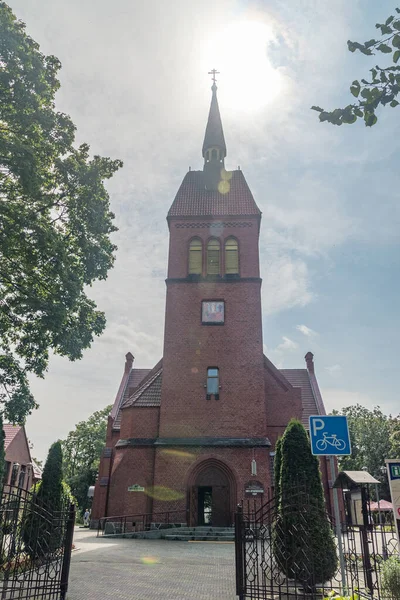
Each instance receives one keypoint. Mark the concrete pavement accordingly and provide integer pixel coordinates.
(118, 569)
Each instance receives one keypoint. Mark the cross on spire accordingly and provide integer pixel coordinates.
(213, 72)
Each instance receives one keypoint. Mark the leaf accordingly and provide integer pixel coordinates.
(358, 112)
(384, 48)
(374, 73)
(389, 20)
(396, 56)
(370, 119)
(370, 43)
(386, 30)
(351, 46)
(396, 41)
(355, 88)
(383, 77)
(317, 108)
(394, 103)
(396, 25)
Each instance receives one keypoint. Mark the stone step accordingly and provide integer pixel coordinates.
(198, 538)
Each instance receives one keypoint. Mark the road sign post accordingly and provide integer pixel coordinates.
(329, 436)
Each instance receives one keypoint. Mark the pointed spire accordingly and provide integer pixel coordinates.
(214, 136)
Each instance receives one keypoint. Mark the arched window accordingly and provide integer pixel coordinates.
(213, 257)
(231, 257)
(195, 257)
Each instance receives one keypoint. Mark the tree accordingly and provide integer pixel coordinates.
(373, 438)
(55, 222)
(303, 542)
(50, 496)
(82, 450)
(381, 88)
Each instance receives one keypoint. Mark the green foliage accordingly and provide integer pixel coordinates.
(81, 454)
(381, 88)
(391, 578)
(303, 542)
(277, 468)
(2, 454)
(374, 437)
(55, 222)
(51, 494)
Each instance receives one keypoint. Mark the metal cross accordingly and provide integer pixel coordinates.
(213, 72)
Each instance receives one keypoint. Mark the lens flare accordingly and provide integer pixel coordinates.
(179, 454)
(159, 492)
(150, 560)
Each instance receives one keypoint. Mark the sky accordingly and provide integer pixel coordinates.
(135, 82)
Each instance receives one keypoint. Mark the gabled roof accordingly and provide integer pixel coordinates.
(300, 378)
(149, 391)
(10, 433)
(193, 200)
(129, 381)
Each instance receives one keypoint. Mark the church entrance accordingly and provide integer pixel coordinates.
(210, 496)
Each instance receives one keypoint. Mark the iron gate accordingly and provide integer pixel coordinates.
(35, 547)
(260, 576)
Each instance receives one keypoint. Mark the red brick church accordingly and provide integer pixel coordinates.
(196, 433)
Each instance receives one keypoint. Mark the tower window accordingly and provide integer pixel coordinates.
(195, 257)
(231, 256)
(213, 257)
(213, 382)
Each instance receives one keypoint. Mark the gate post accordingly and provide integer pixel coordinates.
(239, 558)
(67, 552)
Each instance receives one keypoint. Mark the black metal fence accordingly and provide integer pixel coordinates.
(262, 575)
(35, 547)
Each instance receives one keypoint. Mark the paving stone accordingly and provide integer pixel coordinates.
(132, 569)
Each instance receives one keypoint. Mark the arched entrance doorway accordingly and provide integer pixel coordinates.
(211, 494)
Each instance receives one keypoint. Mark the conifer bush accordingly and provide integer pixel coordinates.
(303, 541)
(391, 578)
(43, 527)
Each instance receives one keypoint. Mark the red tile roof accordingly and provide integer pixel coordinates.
(300, 378)
(136, 376)
(149, 392)
(193, 200)
(10, 433)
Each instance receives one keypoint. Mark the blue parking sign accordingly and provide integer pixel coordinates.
(329, 435)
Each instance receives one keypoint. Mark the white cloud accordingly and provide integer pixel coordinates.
(334, 369)
(338, 398)
(287, 344)
(307, 331)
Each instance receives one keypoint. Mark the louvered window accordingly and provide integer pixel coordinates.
(195, 257)
(213, 257)
(231, 256)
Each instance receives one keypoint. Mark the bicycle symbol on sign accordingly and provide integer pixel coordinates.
(330, 440)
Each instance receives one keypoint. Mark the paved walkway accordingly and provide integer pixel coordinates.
(118, 569)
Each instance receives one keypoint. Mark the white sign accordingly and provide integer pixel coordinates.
(393, 472)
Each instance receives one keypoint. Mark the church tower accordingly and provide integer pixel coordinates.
(213, 395)
(213, 382)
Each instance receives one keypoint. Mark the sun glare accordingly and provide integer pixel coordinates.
(240, 53)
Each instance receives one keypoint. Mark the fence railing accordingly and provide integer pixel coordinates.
(139, 522)
(35, 546)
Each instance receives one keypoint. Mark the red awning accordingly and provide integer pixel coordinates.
(383, 505)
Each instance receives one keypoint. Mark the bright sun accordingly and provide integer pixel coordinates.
(239, 52)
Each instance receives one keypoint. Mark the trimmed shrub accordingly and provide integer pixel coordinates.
(303, 540)
(43, 523)
(391, 578)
